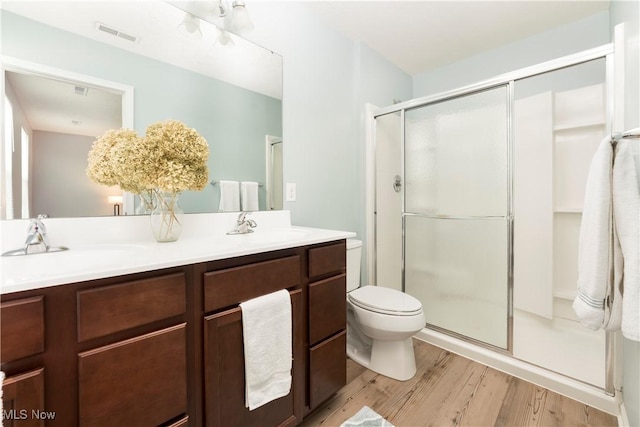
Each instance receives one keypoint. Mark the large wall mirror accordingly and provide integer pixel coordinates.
(72, 70)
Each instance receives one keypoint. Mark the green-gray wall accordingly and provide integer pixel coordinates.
(234, 121)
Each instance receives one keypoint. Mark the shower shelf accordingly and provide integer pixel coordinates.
(570, 295)
(577, 126)
(575, 210)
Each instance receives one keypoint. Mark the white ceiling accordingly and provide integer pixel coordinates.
(418, 36)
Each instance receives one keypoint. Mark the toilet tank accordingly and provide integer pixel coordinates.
(354, 254)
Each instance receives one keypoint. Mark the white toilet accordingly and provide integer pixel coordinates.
(380, 323)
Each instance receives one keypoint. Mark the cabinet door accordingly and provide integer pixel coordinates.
(327, 368)
(23, 399)
(138, 382)
(224, 373)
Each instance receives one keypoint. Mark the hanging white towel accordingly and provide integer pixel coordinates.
(267, 332)
(626, 209)
(249, 195)
(613, 303)
(229, 196)
(595, 240)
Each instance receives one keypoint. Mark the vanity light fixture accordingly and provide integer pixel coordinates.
(190, 26)
(240, 21)
(235, 20)
(227, 17)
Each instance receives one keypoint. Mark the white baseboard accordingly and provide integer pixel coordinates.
(560, 384)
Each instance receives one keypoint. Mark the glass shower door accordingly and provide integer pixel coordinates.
(457, 219)
(560, 117)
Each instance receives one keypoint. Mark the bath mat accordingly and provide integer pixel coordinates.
(366, 417)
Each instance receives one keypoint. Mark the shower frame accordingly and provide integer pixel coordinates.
(507, 79)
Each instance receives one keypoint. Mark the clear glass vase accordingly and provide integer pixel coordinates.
(166, 217)
(147, 202)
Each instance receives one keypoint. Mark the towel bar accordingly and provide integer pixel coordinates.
(630, 134)
(214, 182)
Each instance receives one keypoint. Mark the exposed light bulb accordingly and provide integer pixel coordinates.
(190, 26)
(224, 38)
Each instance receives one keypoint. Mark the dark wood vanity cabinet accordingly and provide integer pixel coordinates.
(22, 342)
(102, 353)
(327, 322)
(165, 347)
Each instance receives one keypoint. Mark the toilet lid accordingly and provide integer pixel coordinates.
(385, 300)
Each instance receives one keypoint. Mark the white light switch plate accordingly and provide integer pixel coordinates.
(291, 192)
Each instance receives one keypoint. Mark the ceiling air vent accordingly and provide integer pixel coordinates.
(112, 31)
(80, 90)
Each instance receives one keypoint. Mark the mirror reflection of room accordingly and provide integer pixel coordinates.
(57, 110)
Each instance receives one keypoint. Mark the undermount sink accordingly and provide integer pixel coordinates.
(273, 236)
(107, 247)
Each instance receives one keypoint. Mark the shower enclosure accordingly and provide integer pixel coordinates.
(479, 194)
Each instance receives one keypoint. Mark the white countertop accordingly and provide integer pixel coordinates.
(106, 247)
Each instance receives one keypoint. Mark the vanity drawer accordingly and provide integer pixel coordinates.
(231, 286)
(328, 259)
(327, 307)
(327, 368)
(136, 382)
(114, 308)
(22, 328)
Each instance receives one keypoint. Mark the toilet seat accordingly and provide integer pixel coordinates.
(385, 301)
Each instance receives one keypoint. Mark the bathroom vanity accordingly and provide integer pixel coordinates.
(159, 341)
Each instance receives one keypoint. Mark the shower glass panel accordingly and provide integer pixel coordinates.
(458, 269)
(560, 117)
(457, 215)
(456, 156)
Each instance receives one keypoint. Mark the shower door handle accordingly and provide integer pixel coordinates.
(397, 183)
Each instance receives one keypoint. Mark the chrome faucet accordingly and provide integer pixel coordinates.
(37, 240)
(243, 224)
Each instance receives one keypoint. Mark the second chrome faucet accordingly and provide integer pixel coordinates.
(244, 225)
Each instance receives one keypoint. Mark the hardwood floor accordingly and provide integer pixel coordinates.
(450, 390)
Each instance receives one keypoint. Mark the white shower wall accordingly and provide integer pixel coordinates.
(556, 135)
(388, 202)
